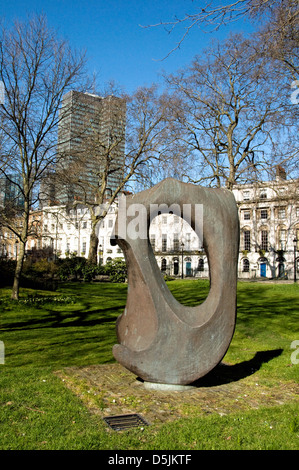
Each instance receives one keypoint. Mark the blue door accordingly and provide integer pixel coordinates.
(263, 269)
(188, 268)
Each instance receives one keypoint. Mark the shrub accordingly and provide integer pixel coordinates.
(7, 270)
(76, 267)
(71, 267)
(116, 270)
(40, 268)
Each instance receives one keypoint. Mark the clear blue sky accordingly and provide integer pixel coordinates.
(118, 48)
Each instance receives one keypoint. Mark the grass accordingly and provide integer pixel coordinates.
(76, 327)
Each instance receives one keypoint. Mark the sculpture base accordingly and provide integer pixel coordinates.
(167, 387)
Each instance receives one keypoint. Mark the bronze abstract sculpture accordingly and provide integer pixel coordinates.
(160, 340)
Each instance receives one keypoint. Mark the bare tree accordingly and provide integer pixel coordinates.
(36, 69)
(277, 21)
(278, 36)
(127, 152)
(226, 110)
(275, 45)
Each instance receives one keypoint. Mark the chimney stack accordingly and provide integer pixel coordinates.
(280, 173)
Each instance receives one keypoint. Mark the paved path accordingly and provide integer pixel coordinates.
(111, 390)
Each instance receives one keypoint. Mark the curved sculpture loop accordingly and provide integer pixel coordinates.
(161, 340)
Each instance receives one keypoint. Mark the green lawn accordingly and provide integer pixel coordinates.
(75, 326)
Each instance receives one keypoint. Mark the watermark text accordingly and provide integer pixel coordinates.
(134, 220)
(295, 354)
(2, 93)
(2, 353)
(295, 95)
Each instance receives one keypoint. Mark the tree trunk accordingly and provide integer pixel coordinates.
(93, 247)
(18, 271)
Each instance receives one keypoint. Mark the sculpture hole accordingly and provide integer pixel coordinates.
(176, 245)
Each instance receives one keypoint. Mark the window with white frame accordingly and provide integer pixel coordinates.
(282, 239)
(246, 265)
(153, 241)
(264, 240)
(282, 212)
(263, 194)
(201, 264)
(246, 195)
(176, 246)
(188, 241)
(246, 235)
(164, 242)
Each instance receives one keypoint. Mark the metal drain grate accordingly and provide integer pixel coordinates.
(121, 422)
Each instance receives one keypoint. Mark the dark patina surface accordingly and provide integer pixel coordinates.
(161, 340)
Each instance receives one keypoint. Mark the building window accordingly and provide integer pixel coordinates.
(264, 240)
(176, 246)
(282, 213)
(282, 239)
(264, 214)
(188, 241)
(163, 265)
(164, 219)
(164, 242)
(201, 264)
(246, 195)
(246, 215)
(247, 240)
(153, 241)
(110, 223)
(263, 194)
(245, 265)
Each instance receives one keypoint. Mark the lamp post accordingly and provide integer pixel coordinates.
(182, 274)
(295, 249)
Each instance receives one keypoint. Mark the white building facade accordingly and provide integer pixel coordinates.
(174, 242)
(269, 229)
(269, 234)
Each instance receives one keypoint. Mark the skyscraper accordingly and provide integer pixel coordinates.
(10, 191)
(91, 146)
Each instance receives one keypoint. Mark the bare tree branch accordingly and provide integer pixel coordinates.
(36, 69)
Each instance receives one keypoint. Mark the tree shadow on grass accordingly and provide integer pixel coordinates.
(224, 373)
(50, 318)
